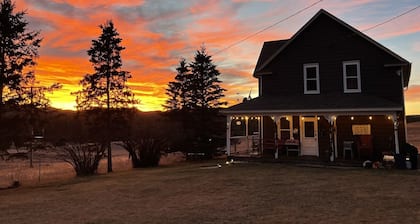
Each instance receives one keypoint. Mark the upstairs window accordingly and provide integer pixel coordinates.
(351, 77)
(311, 78)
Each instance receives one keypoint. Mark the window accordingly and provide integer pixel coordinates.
(351, 77)
(311, 78)
(253, 126)
(309, 128)
(285, 125)
(238, 127)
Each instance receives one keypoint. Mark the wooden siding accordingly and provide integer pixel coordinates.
(329, 43)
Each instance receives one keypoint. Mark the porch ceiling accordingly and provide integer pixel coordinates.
(315, 104)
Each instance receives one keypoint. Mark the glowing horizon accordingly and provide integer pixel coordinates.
(157, 34)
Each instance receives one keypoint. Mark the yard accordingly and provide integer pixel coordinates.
(238, 193)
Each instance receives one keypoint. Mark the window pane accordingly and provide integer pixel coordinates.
(238, 127)
(351, 70)
(252, 126)
(352, 83)
(311, 73)
(284, 124)
(311, 85)
(284, 135)
(309, 129)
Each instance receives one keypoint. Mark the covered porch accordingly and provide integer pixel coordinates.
(325, 136)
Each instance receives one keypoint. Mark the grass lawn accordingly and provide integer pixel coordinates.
(240, 193)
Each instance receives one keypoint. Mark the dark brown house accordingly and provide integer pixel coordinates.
(329, 91)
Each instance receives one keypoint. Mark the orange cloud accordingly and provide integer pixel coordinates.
(412, 100)
(156, 35)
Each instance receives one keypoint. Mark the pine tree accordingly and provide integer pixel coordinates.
(18, 49)
(204, 91)
(106, 87)
(196, 86)
(176, 90)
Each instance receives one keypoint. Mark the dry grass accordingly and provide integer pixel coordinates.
(241, 193)
(187, 193)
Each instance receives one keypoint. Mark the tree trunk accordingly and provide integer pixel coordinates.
(108, 122)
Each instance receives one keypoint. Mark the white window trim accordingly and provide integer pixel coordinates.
(359, 85)
(305, 90)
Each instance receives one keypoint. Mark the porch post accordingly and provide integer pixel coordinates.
(276, 154)
(228, 122)
(262, 135)
(246, 134)
(331, 122)
(396, 123)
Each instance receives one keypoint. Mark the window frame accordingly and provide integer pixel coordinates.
(305, 78)
(358, 77)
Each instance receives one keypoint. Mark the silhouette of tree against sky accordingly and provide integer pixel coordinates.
(18, 49)
(106, 87)
(196, 85)
(177, 89)
(194, 98)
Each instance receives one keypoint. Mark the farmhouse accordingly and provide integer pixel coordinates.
(329, 92)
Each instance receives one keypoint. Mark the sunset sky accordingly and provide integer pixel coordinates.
(157, 33)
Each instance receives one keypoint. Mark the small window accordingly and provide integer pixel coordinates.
(351, 77)
(253, 126)
(311, 78)
(285, 127)
(238, 127)
(309, 129)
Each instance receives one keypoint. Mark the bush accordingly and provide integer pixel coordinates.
(84, 158)
(145, 152)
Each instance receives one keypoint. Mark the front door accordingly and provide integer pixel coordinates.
(309, 136)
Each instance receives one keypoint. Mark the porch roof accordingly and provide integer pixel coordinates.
(315, 104)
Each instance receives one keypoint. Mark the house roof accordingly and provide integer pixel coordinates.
(272, 49)
(314, 104)
(269, 48)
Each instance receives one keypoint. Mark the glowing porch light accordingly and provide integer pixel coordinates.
(370, 117)
(352, 118)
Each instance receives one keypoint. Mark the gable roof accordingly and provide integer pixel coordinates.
(269, 48)
(278, 46)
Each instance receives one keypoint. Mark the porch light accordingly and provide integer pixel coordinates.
(370, 117)
(318, 118)
(352, 118)
(389, 117)
(303, 118)
(238, 122)
(287, 118)
(246, 117)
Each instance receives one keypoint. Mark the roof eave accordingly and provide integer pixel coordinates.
(372, 111)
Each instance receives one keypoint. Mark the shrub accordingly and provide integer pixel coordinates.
(84, 158)
(145, 152)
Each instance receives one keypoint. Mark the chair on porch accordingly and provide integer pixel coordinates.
(364, 146)
(348, 148)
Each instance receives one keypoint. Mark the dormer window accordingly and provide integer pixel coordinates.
(351, 77)
(311, 78)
